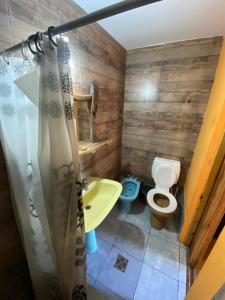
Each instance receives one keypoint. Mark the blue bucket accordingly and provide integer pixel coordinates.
(131, 187)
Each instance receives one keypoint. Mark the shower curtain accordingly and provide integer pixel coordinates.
(37, 131)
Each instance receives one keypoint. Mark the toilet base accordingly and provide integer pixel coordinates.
(157, 221)
(125, 206)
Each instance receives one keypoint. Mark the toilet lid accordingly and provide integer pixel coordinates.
(165, 176)
(172, 201)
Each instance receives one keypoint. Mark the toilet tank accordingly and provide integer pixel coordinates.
(174, 164)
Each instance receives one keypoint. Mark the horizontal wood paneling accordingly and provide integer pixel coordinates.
(166, 93)
(95, 55)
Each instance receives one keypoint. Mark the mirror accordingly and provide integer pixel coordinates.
(85, 107)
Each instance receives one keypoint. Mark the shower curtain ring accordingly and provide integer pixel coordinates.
(5, 59)
(37, 38)
(22, 50)
(29, 44)
(50, 36)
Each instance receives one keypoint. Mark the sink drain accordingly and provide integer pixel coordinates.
(88, 207)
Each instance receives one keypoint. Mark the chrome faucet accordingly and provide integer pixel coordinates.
(84, 184)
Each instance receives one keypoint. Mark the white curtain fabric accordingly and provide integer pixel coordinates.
(39, 142)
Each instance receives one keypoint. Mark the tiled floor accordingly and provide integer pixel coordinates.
(156, 261)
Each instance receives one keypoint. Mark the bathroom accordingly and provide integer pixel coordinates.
(147, 91)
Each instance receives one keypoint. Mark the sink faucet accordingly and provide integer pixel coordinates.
(84, 184)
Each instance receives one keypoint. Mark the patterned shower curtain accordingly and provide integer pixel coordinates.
(44, 178)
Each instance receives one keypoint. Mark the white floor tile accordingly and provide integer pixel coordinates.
(183, 265)
(170, 232)
(132, 240)
(181, 291)
(115, 213)
(100, 292)
(139, 216)
(109, 229)
(154, 285)
(163, 256)
(164, 259)
(167, 235)
(90, 280)
(121, 283)
(95, 261)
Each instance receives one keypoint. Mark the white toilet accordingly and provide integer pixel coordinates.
(165, 173)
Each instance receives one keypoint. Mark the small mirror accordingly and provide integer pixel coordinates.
(85, 106)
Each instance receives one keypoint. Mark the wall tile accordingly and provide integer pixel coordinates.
(167, 89)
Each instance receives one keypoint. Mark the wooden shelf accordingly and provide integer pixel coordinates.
(79, 97)
(91, 147)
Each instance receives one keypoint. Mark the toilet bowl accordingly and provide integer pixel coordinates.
(165, 173)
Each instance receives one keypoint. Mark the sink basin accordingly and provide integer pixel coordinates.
(98, 200)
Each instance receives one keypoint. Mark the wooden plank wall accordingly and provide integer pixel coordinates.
(95, 56)
(166, 92)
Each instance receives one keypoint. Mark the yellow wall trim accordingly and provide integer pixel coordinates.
(212, 275)
(209, 140)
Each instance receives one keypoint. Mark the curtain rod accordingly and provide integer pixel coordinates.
(97, 15)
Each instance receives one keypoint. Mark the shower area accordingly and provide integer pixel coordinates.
(39, 143)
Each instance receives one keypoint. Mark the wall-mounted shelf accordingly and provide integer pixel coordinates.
(79, 97)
